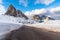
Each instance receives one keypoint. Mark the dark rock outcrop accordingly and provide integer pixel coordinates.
(16, 13)
(36, 17)
(51, 18)
(42, 17)
(20, 14)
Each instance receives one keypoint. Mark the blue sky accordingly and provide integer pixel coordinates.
(30, 4)
(33, 7)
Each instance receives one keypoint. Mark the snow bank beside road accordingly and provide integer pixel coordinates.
(52, 25)
(5, 28)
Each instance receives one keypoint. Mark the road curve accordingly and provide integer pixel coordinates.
(32, 33)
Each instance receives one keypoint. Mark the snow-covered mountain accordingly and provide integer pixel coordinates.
(41, 17)
(13, 12)
(19, 17)
(13, 19)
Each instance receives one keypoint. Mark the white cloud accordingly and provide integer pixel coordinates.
(2, 9)
(23, 2)
(0, 1)
(27, 13)
(35, 12)
(46, 2)
(55, 10)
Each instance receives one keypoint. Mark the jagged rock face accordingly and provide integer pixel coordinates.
(43, 17)
(20, 14)
(36, 17)
(11, 11)
(51, 18)
(16, 13)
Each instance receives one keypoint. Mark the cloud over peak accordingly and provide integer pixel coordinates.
(53, 12)
(46, 2)
(36, 12)
(23, 2)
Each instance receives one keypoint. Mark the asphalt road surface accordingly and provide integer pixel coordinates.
(32, 33)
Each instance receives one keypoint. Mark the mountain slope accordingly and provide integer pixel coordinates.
(20, 14)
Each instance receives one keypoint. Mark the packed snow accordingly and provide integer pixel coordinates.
(5, 28)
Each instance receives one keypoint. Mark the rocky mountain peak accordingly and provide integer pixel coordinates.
(11, 7)
(36, 17)
(42, 17)
(13, 12)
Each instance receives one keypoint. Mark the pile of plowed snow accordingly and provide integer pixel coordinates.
(52, 25)
(5, 28)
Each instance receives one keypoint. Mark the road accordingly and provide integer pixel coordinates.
(32, 33)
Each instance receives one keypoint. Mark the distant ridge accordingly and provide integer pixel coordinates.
(38, 17)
